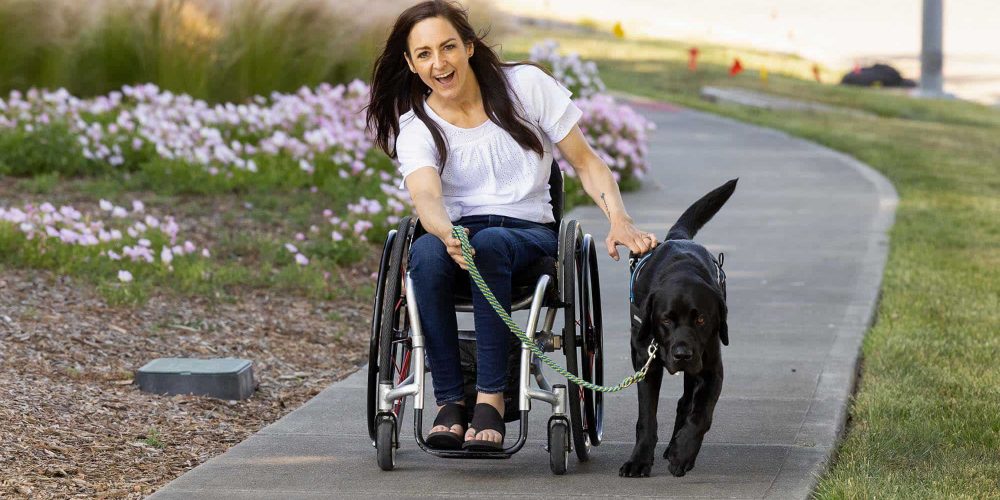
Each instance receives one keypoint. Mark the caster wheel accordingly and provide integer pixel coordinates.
(385, 443)
(558, 447)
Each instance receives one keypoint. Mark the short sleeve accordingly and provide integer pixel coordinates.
(546, 101)
(415, 146)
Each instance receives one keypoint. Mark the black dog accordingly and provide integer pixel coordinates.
(679, 301)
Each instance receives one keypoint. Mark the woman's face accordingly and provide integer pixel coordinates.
(437, 55)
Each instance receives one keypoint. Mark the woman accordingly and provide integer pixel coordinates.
(473, 137)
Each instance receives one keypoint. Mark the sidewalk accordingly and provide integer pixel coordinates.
(805, 237)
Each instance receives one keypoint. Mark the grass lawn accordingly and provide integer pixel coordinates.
(925, 421)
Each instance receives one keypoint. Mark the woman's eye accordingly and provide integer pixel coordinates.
(449, 47)
(700, 321)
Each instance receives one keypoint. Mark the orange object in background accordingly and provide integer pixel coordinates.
(736, 68)
(816, 73)
(693, 58)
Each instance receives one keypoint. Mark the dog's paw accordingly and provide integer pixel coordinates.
(678, 466)
(635, 468)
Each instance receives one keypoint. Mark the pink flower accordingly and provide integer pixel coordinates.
(301, 260)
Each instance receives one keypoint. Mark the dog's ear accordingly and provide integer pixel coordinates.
(723, 324)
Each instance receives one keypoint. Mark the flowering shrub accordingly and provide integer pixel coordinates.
(127, 128)
(366, 220)
(617, 134)
(615, 131)
(112, 243)
(578, 76)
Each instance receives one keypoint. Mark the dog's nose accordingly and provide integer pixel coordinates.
(681, 352)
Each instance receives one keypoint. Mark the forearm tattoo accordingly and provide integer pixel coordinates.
(606, 209)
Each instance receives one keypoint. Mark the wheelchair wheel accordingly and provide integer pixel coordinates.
(570, 286)
(592, 345)
(558, 446)
(386, 442)
(390, 347)
(373, 342)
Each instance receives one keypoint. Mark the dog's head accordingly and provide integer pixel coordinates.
(687, 320)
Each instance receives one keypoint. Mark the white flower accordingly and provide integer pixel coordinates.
(301, 260)
(124, 276)
(166, 255)
(291, 248)
(106, 205)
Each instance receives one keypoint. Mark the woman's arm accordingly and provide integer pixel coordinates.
(602, 188)
(424, 186)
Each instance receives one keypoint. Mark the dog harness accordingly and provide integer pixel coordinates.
(635, 266)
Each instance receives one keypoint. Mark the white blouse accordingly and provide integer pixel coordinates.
(488, 173)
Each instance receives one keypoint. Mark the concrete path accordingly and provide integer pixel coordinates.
(805, 242)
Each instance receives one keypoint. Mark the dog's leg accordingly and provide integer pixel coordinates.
(644, 452)
(694, 419)
(683, 409)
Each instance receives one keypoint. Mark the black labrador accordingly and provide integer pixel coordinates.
(679, 301)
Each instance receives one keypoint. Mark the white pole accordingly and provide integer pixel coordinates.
(931, 53)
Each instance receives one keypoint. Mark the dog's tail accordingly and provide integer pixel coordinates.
(701, 212)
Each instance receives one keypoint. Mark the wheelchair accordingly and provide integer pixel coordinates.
(568, 283)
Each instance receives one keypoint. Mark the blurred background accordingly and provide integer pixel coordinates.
(838, 34)
(233, 49)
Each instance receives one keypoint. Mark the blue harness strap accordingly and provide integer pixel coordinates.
(635, 266)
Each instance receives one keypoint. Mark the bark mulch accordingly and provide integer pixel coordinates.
(72, 424)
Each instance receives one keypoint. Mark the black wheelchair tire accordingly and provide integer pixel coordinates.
(571, 240)
(592, 345)
(392, 353)
(374, 340)
(385, 443)
(558, 447)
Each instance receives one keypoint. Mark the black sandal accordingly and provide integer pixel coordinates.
(486, 417)
(451, 414)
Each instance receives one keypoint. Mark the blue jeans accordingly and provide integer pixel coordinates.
(504, 246)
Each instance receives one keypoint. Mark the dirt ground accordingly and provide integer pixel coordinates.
(73, 424)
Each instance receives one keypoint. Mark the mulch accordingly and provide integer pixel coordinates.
(74, 425)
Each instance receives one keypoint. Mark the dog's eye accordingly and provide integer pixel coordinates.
(700, 321)
(667, 322)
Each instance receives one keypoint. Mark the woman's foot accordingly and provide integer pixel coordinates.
(489, 435)
(449, 427)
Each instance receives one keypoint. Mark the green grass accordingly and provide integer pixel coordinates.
(925, 422)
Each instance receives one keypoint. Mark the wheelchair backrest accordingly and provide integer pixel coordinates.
(556, 192)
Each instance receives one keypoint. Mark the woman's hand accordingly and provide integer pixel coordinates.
(625, 233)
(454, 247)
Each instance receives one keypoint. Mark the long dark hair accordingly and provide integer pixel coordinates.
(396, 90)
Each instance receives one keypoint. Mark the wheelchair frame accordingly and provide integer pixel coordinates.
(397, 367)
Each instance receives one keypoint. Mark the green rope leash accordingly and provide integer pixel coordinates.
(459, 233)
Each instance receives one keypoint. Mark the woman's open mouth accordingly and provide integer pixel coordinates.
(446, 79)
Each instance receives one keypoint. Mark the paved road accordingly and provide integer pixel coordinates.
(805, 242)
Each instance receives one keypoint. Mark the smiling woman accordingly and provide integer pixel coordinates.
(474, 138)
